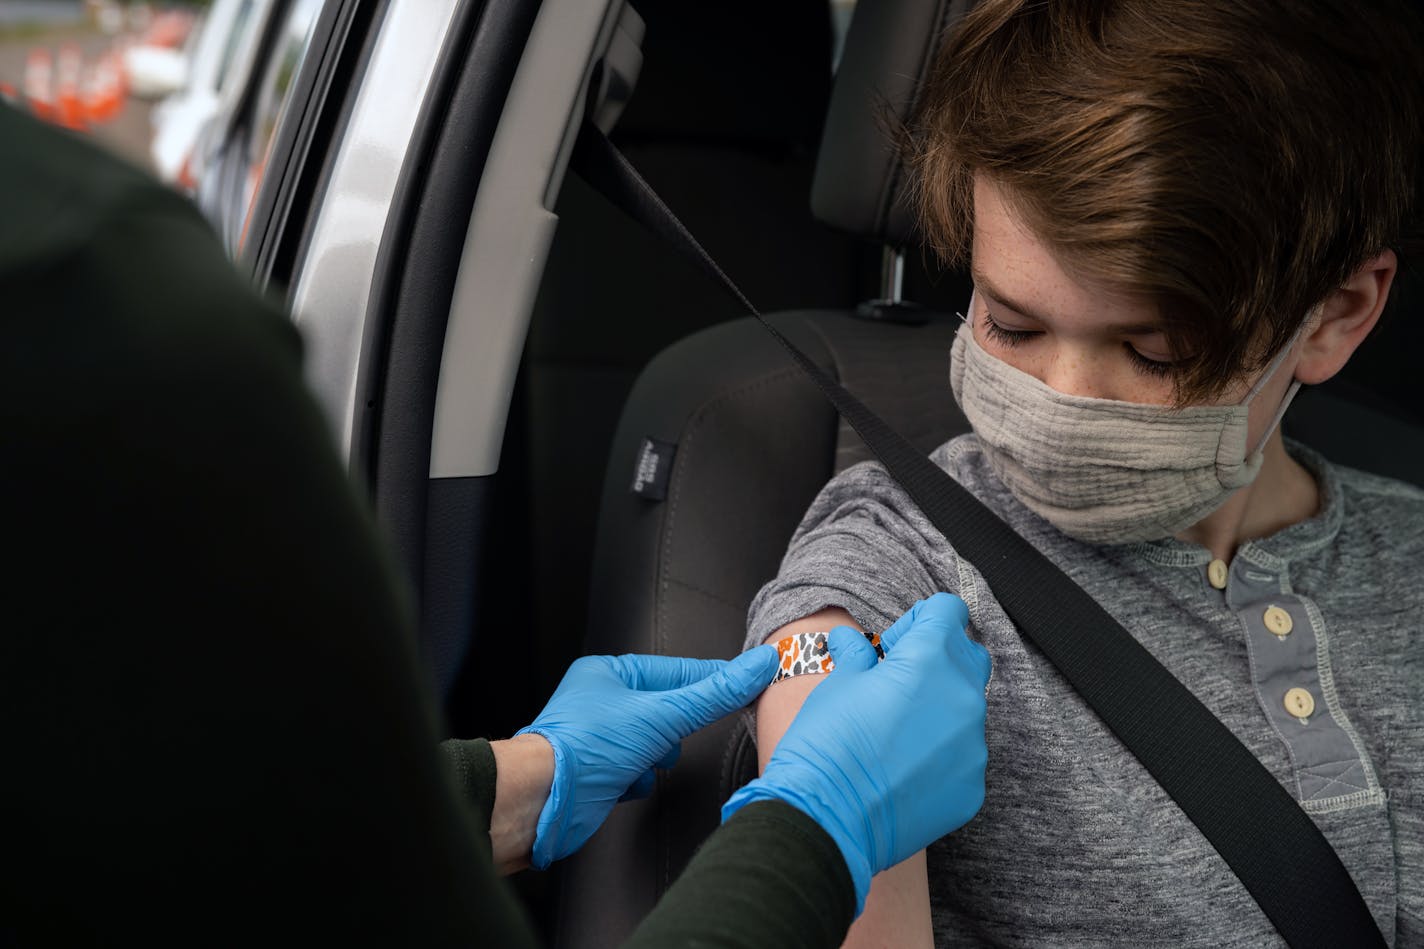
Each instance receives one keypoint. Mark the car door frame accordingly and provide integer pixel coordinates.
(311, 129)
(414, 289)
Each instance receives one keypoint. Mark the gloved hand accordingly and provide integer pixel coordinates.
(887, 758)
(614, 718)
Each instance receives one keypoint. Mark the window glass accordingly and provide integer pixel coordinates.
(274, 94)
(234, 40)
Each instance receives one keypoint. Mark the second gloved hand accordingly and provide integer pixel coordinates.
(614, 718)
(887, 758)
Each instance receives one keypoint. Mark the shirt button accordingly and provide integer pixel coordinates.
(1216, 574)
(1300, 703)
(1278, 621)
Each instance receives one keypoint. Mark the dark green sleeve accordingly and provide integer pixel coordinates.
(215, 726)
(473, 766)
(770, 876)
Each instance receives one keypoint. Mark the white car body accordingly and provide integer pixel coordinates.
(155, 71)
(218, 68)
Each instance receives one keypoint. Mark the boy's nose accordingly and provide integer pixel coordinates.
(1073, 371)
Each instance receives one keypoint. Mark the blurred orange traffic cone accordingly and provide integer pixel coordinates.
(102, 99)
(39, 83)
(91, 102)
(69, 110)
(118, 86)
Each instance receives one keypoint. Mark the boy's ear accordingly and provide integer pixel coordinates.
(1346, 318)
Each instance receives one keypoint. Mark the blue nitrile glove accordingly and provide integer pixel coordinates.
(613, 719)
(887, 757)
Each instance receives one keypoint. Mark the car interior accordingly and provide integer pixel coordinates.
(763, 127)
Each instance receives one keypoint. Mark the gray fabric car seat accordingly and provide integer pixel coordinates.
(751, 442)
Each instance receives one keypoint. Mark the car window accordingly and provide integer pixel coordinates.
(234, 40)
(274, 93)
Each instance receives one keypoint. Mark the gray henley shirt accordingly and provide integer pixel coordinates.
(1076, 844)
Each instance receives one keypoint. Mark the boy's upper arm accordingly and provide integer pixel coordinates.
(860, 518)
(861, 547)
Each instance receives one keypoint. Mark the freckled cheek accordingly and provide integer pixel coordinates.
(1025, 357)
(1153, 392)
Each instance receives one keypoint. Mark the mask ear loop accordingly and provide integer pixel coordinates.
(962, 318)
(1271, 371)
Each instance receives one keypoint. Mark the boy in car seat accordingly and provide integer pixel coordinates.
(1175, 214)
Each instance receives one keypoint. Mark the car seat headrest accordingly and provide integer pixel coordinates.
(859, 179)
(740, 72)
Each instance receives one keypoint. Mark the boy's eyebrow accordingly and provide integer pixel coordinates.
(989, 290)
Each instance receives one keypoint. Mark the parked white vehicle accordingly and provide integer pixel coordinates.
(155, 71)
(217, 70)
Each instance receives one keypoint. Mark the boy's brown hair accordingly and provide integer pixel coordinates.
(1233, 160)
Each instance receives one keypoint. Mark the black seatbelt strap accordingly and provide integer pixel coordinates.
(1257, 827)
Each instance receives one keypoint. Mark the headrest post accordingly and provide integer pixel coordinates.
(892, 275)
(891, 306)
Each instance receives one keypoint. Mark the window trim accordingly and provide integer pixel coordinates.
(308, 136)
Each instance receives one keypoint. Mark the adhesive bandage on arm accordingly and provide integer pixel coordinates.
(808, 654)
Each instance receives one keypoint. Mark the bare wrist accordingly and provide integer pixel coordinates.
(524, 772)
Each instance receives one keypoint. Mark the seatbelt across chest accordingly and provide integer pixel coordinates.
(1269, 842)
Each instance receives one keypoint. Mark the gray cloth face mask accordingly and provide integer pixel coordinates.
(1103, 471)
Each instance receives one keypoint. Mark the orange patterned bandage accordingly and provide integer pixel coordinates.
(807, 654)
